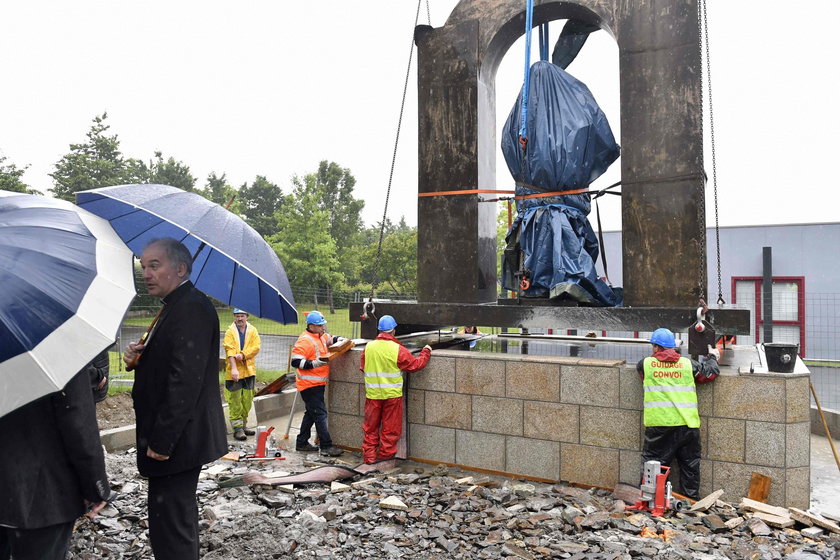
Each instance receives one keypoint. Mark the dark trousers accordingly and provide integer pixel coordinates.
(316, 414)
(666, 443)
(173, 515)
(46, 543)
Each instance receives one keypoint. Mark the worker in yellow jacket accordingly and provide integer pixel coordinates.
(242, 344)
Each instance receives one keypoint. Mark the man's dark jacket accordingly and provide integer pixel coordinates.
(176, 387)
(51, 459)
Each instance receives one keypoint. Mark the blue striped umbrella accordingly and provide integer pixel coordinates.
(232, 262)
(67, 280)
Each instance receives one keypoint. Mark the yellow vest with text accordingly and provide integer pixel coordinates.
(383, 379)
(670, 394)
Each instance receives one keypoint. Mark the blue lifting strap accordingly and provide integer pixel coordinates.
(529, 18)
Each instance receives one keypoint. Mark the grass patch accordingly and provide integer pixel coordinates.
(820, 363)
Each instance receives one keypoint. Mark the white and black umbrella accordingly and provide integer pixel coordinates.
(66, 281)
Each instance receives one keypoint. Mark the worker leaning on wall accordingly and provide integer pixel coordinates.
(672, 421)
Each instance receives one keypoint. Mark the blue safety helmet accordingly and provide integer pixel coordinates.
(315, 318)
(386, 323)
(237, 311)
(663, 338)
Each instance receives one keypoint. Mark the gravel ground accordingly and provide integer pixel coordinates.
(418, 511)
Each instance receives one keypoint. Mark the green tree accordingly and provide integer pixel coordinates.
(10, 178)
(95, 163)
(219, 190)
(332, 188)
(303, 242)
(398, 261)
(259, 203)
(169, 172)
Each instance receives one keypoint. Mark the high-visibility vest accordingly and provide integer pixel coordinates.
(311, 347)
(383, 379)
(670, 395)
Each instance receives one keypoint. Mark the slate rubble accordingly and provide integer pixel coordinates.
(445, 516)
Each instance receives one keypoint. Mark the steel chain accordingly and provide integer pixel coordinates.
(375, 280)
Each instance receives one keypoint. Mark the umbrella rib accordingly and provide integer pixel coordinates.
(139, 208)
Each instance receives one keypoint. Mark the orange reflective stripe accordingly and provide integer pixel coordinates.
(493, 191)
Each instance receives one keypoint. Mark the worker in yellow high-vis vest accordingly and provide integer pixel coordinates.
(384, 361)
(672, 421)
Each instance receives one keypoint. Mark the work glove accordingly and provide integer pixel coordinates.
(340, 340)
(427, 347)
(318, 363)
(714, 353)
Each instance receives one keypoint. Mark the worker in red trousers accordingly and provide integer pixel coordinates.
(383, 362)
(672, 421)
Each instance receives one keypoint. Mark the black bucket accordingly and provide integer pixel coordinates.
(781, 357)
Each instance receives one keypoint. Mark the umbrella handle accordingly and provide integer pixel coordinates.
(130, 365)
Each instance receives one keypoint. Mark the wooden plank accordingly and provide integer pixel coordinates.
(759, 487)
(707, 502)
(752, 505)
(337, 350)
(810, 519)
(627, 493)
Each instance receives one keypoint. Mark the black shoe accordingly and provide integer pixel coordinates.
(249, 432)
(306, 448)
(239, 434)
(332, 452)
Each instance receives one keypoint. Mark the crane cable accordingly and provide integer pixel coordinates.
(375, 279)
(703, 37)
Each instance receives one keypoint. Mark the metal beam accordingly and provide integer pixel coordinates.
(727, 321)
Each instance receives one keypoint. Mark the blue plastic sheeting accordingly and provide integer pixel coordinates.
(570, 144)
(560, 249)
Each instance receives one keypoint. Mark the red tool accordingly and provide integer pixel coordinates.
(264, 450)
(656, 491)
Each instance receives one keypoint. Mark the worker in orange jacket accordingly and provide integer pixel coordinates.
(383, 362)
(311, 379)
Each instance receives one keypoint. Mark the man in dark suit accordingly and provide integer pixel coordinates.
(51, 466)
(180, 424)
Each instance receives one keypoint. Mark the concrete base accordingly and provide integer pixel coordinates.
(580, 420)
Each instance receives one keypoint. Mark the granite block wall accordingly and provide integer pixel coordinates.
(580, 420)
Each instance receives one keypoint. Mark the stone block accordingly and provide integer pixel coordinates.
(533, 381)
(553, 421)
(449, 410)
(344, 397)
(438, 375)
(726, 440)
(432, 443)
(496, 415)
(533, 457)
(610, 427)
(735, 481)
(798, 488)
(630, 394)
(735, 397)
(765, 444)
(346, 368)
(705, 398)
(596, 386)
(415, 402)
(630, 467)
(480, 377)
(345, 429)
(798, 399)
(798, 445)
(119, 439)
(480, 450)
(704, 438)
(589, 465)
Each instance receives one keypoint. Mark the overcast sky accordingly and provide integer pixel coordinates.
(273, 87)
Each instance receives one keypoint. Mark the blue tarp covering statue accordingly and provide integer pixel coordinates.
(569, 145)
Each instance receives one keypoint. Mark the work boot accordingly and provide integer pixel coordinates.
(249, 432)
(332, 451)
(306, 448)
(239, 433)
